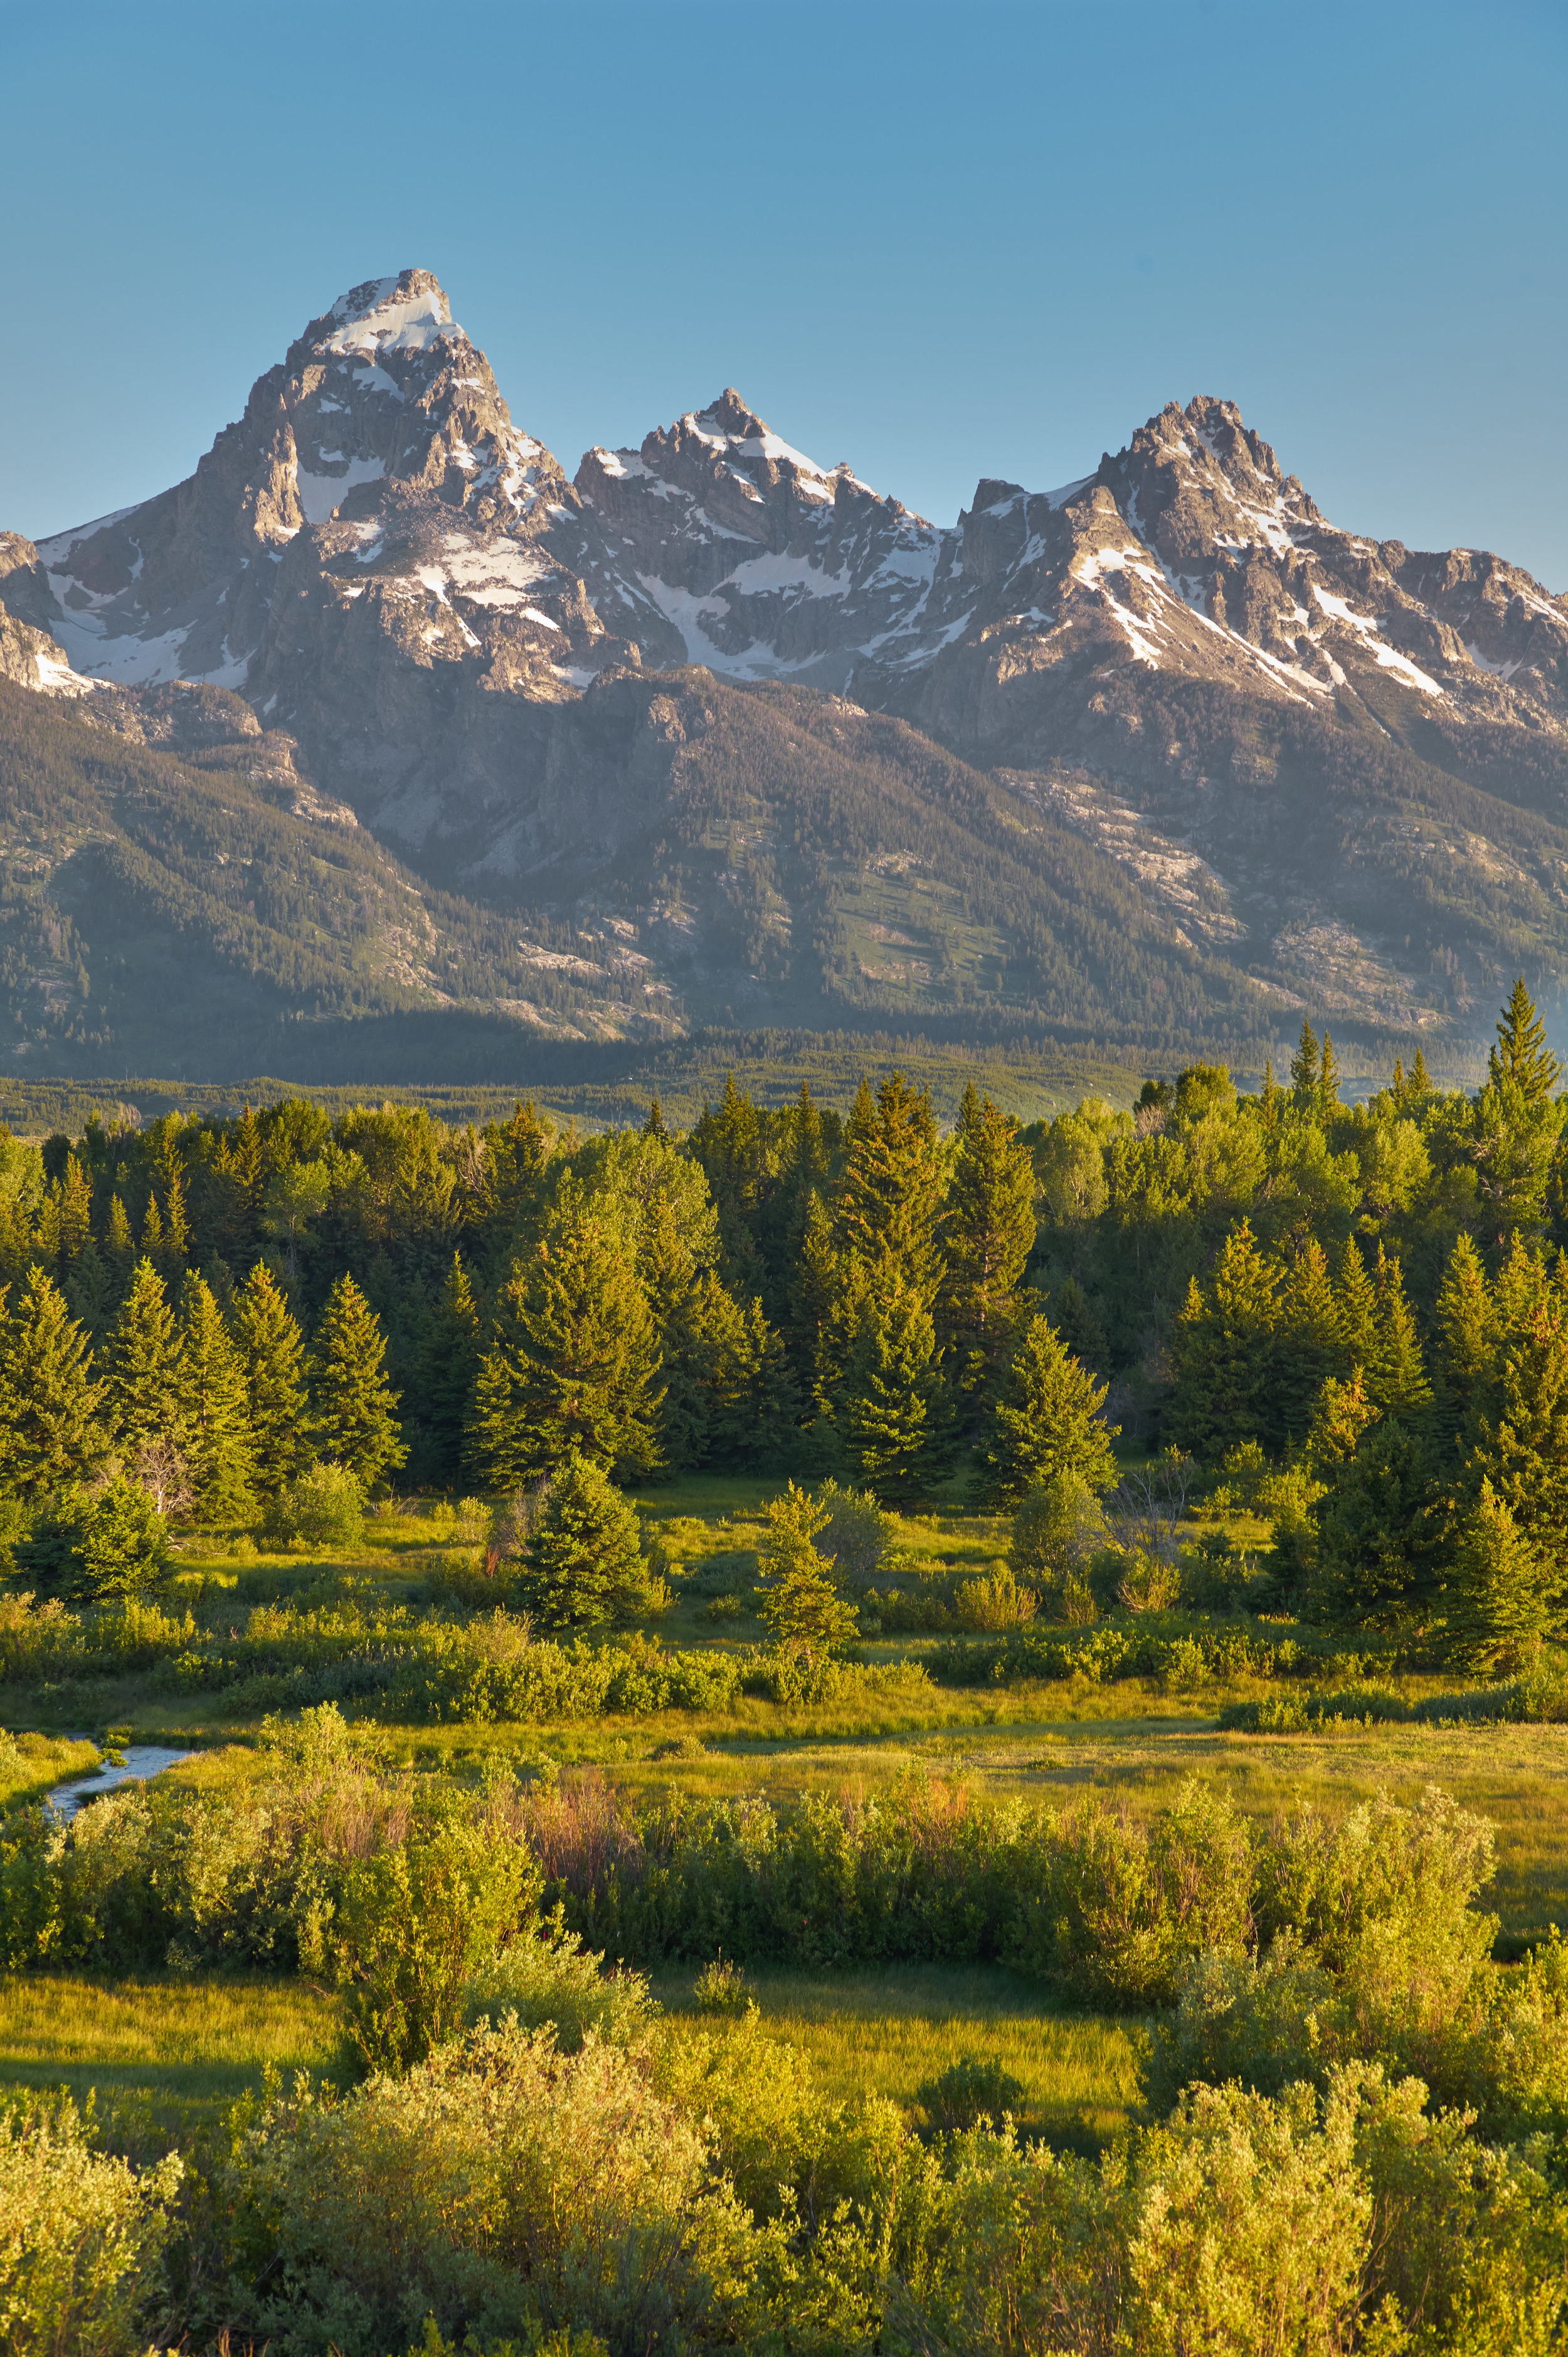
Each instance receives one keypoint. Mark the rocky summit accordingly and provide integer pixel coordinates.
(714, 733)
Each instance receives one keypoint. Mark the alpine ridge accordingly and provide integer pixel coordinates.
(700, 706)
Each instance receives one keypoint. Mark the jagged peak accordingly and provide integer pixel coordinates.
(402, 314)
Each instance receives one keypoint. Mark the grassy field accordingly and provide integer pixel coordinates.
(168, 2050)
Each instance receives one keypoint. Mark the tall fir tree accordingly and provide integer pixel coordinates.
(1048, 1421)
(1307, 1345)
(888, 1409)
(353, 1407)
(1469, 1331)
(990, 1231)
(144, 1363)
(1521, 1055)
(51, 1408)
(887, 1205)
(1396, 1374)
(1221, 1349)
(573, 1359)
(797, 1600)
(1498, 1598)
(1356, 1298)
(271, 1356)
(1304, 1067)
(216, 1418)
(449, 1357)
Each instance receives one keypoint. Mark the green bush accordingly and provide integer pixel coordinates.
(721, 1987)
(967, 2092)
(546, 1975)
(859, 1539)
(82, 2240)
(324, 1506)
(413, 1928)
(101, 1544)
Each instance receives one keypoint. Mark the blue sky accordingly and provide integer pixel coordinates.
(938, 241)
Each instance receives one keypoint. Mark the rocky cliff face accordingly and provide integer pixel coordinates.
(488, 665)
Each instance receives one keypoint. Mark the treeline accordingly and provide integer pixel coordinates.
(1352, 1317)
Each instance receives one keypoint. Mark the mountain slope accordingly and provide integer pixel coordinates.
(1162, 755)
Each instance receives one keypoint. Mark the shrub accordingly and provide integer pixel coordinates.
(324, 1506)
(109, 1543)
(1147, 1583)
(81, 2239)
(1056, 1528)
(858, 1538)
(721, 1987)
(967, 2092)
(548, 1975)
(501, 2184)
(995, 1601)
(413, 1928)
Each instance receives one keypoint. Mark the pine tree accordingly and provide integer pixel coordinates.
(1308, 1346)
(450, 1366)
(888, 1206)
(797, 1600)
(1221, 1351)
(215, 1418)
(1524, 1446)
(990, 1231)
(1420, 1084)
(1469, 1328)
(51, 1409)
(1048, 1421)
(512, 1189)
(271, 1354)
(1356, 1301)
(887, 1410)
(1522, 1056)
(1303, 1067)
(1497, 1601)
(1396, 1374)
(145, 1362)
(118, 1242)
(152, 1231)
(1340, 1416)
(353, 1407)
(654, 1125)
(573, 1361)
(582, 1562)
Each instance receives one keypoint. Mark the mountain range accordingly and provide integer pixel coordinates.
(380, 719)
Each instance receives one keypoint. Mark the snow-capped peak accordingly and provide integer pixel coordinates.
(403, 314)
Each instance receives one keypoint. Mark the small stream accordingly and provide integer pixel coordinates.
(137, 1761)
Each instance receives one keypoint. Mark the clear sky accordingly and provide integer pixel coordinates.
(940, 242)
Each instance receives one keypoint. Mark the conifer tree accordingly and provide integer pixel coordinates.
(1327, 1079)
(573, 1361)
(353, 1407)
(1341, 1414)
(145, 1362)
(1221, 1349)
(888, 1206)
(215, 1416)
(51, 1408)
(1497, 1600)
(271, 1354)
(990, 1231)
(118, 1242)
(450, 1367)
(1524, 1446)
(152, 1231)
(1048, 1421)
(797, 1600)
(1305, 1068)
(1522, 1056)
(512, 1192)
(1396, 1374)
(1420, 1084)
(582, 1562)
(887, 1410)
(1468, 1328)
(1356, 1300)
(1308, 1346)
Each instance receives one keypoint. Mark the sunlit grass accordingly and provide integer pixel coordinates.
(161, 2054)
(889, 2031)
(30, 1764)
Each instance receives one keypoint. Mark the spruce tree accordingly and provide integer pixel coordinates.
(573, 1361)
(1356, 1301)
(51, 1409)
(145, 1362)
(1305, 1068)
(215, 1418)
(1522, 1056)
(448, 1367)
(353, 1407)
(1307, 1344)
(990, 1231)
(1469, 1329)
(271, 1354)
(1396, 1374)
(582, 1562)
(797, 1600)
(1221, 1351)
(886, 1411)
(1497, 1600)
(1048, 1421)
(887, 1205)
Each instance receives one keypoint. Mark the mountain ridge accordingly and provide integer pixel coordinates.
(1177, 664)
